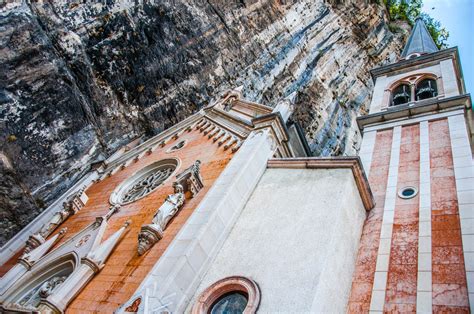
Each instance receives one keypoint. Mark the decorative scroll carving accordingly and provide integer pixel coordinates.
(152, 233)
(147, 184)
(56, 220)
(191, 179)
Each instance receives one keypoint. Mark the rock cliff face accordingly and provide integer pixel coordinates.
(82, 79)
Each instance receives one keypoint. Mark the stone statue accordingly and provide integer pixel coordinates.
(56, 220)
(152, 233)
(48, 286)
(170, 207)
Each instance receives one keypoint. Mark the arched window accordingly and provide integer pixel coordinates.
(426, 89)
(234, 294)
(401, 95)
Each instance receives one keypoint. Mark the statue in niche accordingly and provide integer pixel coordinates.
(43, 291)
(152, 233)
(229, 104)
(47, 288)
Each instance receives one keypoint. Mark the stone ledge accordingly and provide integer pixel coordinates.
(414, 109)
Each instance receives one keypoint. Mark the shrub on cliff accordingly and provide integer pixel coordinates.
(409, 10)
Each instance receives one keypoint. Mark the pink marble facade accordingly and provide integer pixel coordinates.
(363, 278)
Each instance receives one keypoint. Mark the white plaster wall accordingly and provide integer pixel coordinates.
(297, 237)
(450, 80)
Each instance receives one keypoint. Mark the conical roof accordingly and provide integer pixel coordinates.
(420, 40)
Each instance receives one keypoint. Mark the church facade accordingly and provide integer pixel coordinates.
(226, 212)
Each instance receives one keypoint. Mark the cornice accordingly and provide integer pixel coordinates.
(429, 106)
(423, 59)
(353, 163)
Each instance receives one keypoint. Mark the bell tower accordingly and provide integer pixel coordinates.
(417, 248)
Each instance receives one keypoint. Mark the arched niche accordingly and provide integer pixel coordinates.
(40, 282)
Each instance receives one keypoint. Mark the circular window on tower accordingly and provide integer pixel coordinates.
(144, 181)
(229, 295)
(407, 192)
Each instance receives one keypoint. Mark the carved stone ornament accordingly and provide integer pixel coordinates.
(133, 308)
(32, 243)
(191, 179)
(152, 233)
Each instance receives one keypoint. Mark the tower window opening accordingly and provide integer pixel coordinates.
(426, 89)
(401, 95)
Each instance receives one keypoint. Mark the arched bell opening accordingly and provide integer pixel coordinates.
(426, 89)
(401, 95)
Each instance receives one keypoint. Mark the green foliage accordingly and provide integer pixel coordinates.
(439, 34)
(409, 10)
(11, 138)
(394, 28)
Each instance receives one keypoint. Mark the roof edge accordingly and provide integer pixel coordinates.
(343, 162)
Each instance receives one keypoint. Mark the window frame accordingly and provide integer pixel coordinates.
(227, 285)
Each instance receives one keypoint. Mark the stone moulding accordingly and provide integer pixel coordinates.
(353, 163)
(226, 285)
(428, 106)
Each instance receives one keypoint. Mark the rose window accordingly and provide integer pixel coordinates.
(144, 182)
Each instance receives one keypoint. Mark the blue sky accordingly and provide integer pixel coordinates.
(457, 16)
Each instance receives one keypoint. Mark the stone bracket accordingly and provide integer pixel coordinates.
(191, 179)
(148, 236)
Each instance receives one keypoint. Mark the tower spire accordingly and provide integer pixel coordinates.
(420, 40)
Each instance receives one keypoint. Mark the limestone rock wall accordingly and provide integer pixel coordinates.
(81, 79)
